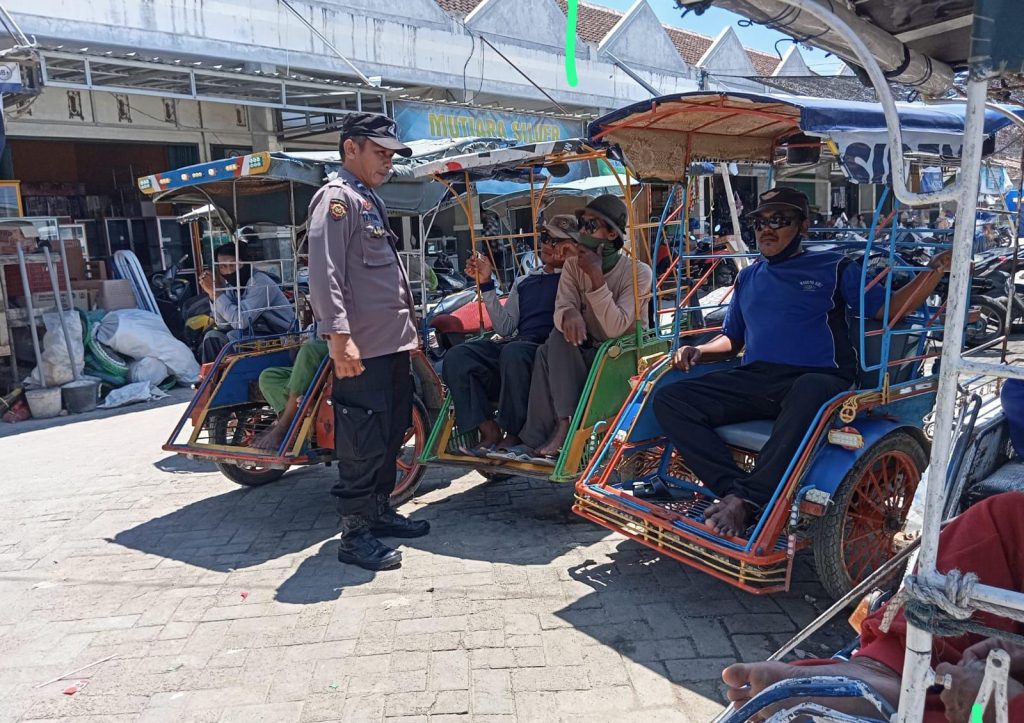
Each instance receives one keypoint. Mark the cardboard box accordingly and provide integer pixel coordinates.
(44, 300)
(116, 294)
(13, 232)
(76, 260)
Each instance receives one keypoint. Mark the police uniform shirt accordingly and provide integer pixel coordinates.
(357, 285)
(794, 312)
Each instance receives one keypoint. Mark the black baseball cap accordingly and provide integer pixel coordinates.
(782, 199)
(378, 128)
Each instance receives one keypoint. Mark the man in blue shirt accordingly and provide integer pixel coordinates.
(480, 371)
(788, 314)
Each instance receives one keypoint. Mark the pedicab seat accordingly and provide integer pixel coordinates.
(750, 435)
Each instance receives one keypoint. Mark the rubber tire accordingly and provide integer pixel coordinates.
(829, 531)
(405, 490)
(988, 307)
(241, 475)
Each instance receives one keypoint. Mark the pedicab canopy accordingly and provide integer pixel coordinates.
(659, 138)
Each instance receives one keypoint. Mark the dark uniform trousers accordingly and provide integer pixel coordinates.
(478, 372)
(689, 410)
(372, 413)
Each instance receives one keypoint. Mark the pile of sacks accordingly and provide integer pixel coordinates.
(122, 347)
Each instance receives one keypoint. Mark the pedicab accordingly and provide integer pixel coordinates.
(617, 359)
(228, 411)
(847, 491)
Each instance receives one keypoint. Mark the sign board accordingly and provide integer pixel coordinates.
(864, 157)
(419, 121)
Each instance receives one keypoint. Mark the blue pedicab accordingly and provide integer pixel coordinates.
(847, 491)
(228, 410)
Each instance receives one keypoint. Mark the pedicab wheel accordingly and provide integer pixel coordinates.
(861, 530)
(237, 429)
(410, 471)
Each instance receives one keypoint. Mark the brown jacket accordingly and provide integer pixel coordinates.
(610, 310)
(357, 285)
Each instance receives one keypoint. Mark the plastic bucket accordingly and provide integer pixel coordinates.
(44, 403)
(80, 396)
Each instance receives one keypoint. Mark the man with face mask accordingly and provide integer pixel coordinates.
(788, 314)
(262, 310)
(596, 301)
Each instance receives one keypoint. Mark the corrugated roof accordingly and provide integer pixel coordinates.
(595, 22)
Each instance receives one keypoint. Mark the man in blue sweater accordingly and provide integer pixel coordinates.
(481, 371)
(788, 315)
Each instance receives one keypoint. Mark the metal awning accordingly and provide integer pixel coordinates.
(205, 79)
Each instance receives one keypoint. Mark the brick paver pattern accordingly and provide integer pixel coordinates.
(222, 603)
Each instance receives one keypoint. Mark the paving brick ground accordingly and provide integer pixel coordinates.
(227, 604)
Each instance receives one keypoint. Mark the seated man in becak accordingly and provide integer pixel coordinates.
(284, 387)
(262, 308)
(483, 370)
(596, 302)
(988, 540)
(788, 314)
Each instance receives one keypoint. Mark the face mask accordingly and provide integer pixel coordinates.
(609, 255)
(792, 248)
(239, 278)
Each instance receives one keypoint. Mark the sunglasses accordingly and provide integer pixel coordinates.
(591, 224)
(774, 222)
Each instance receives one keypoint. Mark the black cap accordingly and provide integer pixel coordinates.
(782, 199)
(378, 128)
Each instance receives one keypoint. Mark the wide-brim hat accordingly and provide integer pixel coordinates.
(563, 227)
(610, 209)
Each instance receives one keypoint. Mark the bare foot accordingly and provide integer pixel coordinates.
(509, 442)
(271, 437)
(746, 680)
(490, 433)
(728, 516)
(553, 446)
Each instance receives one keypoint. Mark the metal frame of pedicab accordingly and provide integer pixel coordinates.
(617, 359)
(984, 65)
(633, 449)
(230, 382)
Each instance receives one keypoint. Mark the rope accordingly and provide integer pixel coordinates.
(945, 612)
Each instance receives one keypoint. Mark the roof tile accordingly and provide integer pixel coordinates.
(595, 22)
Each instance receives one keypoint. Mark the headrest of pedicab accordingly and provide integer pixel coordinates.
(782, 199)
(378, 128)
(612, 211)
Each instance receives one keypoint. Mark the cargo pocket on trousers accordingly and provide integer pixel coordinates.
(360, 426)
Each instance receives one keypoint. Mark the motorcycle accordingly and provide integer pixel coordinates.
(187, 317)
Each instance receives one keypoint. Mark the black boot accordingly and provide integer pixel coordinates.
(359, 547)
(388, 523)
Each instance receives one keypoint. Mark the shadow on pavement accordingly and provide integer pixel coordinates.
(180, 464)
(687, 626)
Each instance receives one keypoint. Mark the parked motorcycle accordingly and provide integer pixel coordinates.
(187, 317)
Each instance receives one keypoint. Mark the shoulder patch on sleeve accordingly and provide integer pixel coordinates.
(337, 208)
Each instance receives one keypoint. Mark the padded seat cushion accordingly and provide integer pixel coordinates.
(747, 435)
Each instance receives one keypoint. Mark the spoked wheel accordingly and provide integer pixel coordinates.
(861, 530)
(410, 471)
(238, 428)
(989, 326)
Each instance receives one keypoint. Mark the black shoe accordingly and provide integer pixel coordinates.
(388, 523)
(359, 547)
(392, 524)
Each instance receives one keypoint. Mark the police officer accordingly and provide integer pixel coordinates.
(364, 307)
